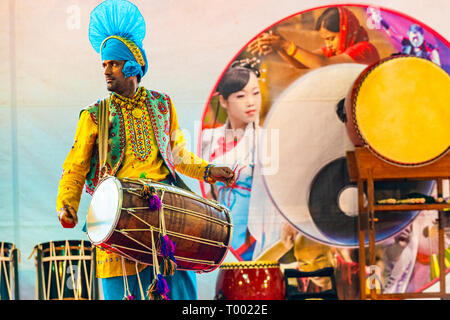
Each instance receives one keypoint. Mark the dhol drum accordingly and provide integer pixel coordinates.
(250, 280)
(311, 187)
(9, 289)
(65, 270)
(120, 220)
(399, 109)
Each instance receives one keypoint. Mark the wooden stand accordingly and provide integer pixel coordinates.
(365, 168)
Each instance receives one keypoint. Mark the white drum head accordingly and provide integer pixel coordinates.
(312, 188)
(311, 135)
(104, 210)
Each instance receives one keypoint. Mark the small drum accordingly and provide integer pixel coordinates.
(399, 108)
(250, 280)
(120, 220)
(65, 270)
(9, 288)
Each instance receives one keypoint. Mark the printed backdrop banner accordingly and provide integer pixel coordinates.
(306, 64)
(49, 72)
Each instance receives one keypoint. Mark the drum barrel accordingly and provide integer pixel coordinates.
(250, 280)
(9, 275)
(199, 229)
(66, 271)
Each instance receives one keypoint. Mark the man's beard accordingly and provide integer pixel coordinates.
(112, 86)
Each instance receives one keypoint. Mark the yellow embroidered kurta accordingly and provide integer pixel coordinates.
(141, 157)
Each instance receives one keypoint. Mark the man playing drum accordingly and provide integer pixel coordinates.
(144, 141)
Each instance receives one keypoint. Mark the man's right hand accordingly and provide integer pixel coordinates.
(68, 217)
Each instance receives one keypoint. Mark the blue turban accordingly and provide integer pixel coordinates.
(116, 31)
(114, 49)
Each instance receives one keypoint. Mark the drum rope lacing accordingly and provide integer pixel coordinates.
(158, 289)
(67, 257)
(162, 187)
(150, 250)
(186, 211)
(126, 288)
(3, 267)
(127, 293)
(177, 234)
(211, 263)
(3, 250)
(139, 280)
(167, 246)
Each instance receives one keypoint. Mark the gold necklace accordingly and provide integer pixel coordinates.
(137, 113)
(134, 104)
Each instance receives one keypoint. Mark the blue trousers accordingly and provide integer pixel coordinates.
(182, 285)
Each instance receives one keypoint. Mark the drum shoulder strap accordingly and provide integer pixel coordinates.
(103, 124)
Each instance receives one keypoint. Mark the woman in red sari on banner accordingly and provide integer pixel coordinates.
(346, 41)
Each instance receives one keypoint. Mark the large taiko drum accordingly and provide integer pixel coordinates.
(311, 187)
(121, 220)
(65, 270)
(400, 109)
(8, 271)
(250, 280)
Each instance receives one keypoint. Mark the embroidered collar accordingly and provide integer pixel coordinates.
(131, 103)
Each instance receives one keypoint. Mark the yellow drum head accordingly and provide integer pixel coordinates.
(402, 110)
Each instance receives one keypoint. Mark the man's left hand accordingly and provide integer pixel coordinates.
(224, 174)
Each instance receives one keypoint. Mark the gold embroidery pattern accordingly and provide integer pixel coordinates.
(137, 122)
(130, 45)
(249, 265)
